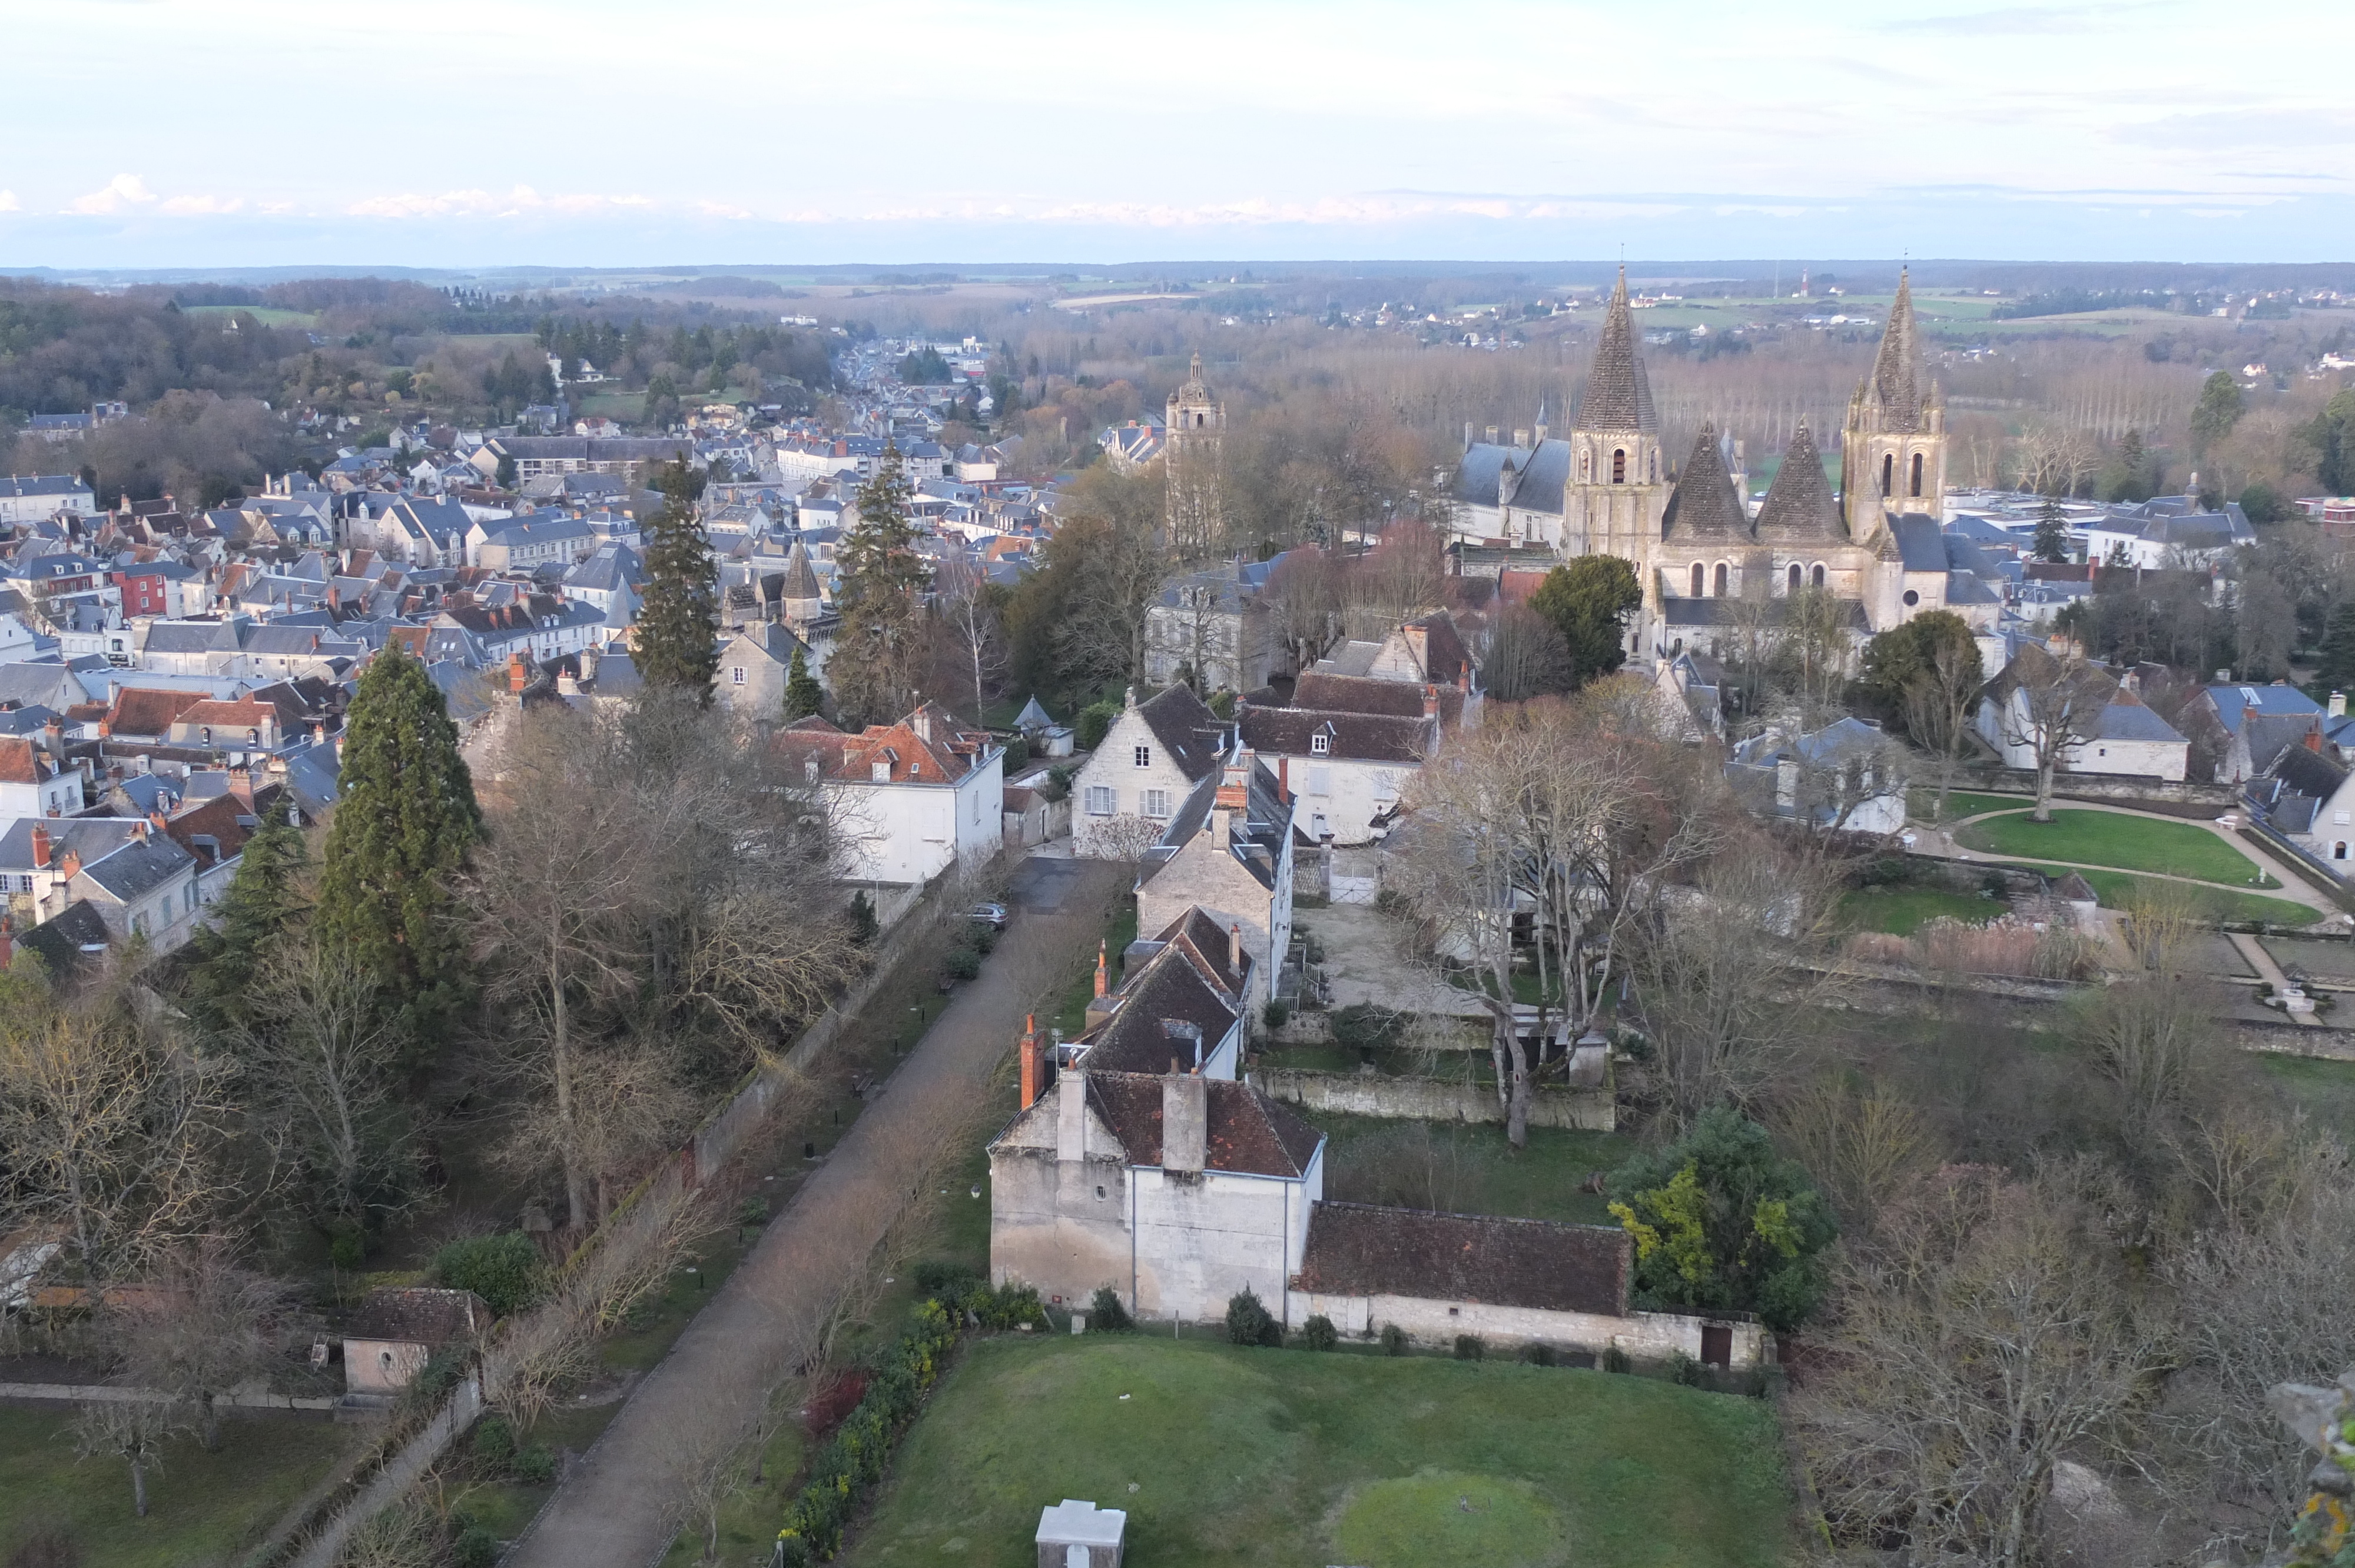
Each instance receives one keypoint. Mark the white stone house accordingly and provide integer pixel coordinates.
(32, 784)
(2126, 737)
(1148, 763)
(1844, 777)
(1347, 768)
(2308, 800)
(140, 882)
(1228, 853)
(910, 799)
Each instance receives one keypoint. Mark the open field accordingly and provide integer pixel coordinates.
(2117, 889)
(1902, 911)
(203, 1510)
(2114, 839)
(267, 315)
(2324, 1090)
(1226, 1456)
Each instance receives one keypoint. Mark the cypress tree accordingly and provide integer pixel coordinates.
(2051, 533)
(401, 832)
(803, 694)
(677, 648)
(262, 901)
(878, 574)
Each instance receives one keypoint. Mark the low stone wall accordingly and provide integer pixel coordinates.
(2119, 789)
(1643, 1336)
(1430, 1099)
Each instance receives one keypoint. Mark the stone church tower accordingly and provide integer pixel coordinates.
(1193, 460)
(1614, 492)
(1893, 448)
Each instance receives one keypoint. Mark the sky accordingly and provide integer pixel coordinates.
(156, 133)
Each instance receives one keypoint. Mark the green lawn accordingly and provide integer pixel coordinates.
(2324, 1090)
(1223, 1455)
(2109, 837)
(268, 315)
(2117, 889)
(203, 1508)
(1920, 804)
(1467, 1170)
(1900, 911)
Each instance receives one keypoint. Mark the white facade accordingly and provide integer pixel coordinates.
(910, 832)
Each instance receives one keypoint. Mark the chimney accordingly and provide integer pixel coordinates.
(69, 865)
(1184, 1120)
(517, 679)
(2337, 704)
(1283, 778)
(1520, 437)
(1235, 946)
(1467, 435)
(1234, 786)
(240, 784)
(2314, 739)
(1492, 435)
(40, 847)
(1103, 969)
(1070, 1115)
(1030, 1062)
(139, 830)
(155, 819)
(923, 722)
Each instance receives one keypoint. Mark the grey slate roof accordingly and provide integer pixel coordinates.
(1617, 395)
(1188, 731)
(1799, 506)
(1920, 544)
(2125, 718)
(1704, 505)
(1543, 476)
(1479, 472)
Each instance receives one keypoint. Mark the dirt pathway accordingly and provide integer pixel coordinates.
(618, 1507)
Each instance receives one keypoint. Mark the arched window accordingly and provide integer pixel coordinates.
(1888, 473)
(1721, 579)
(1585, 467)
(1700, 583)
(1618, 465)
(1794, 576)
(1820, 574)
(1655, 467)
(1917, 475)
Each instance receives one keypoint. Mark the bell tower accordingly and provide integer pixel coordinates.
(1614, 494)
(1193, 460)
(1893, 447)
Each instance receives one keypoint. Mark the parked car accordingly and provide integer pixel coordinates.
(990, 915)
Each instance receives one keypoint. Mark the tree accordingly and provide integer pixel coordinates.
(1939, 701)
(264, 900)
(1525, 656)
(199, 1329)
(880, 649)
(965, 612)
(2052, 542)
(803, 696)
(2050, 706)
(131, 1430)
(2331, 435)
(1589, 601)
(2335, 671)
(1724, 1223)
(2220, 408)
(676, 649)
(401, 835)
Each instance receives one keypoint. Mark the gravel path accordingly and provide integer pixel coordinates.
(618, 1507)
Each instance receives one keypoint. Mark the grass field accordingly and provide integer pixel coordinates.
(265, 314)
(2324, 1090)
(2117, 889)
(1921, 803)
(1902, 911)
(203, 1508)
(2113, 839)
(1467, 1170)
(1222, 1456)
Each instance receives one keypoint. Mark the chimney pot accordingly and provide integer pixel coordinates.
(1103, 969)
(1030, 1062)
(2337, 704)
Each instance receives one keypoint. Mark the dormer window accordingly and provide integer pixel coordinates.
(879, 772)
(1321, 743)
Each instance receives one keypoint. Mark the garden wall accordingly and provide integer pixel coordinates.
(1645, 1336)
(2125, 789)
(1430, 1099)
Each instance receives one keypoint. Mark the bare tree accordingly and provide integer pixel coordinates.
(2153, 1036)
(966, 612)
(1864, 1143)
(1986, 1335)
(1303, 601)
(1525, 656)
(132, 1430)
(200, 1327)
(1938, 705)
(2050, 706)
(1402, 577)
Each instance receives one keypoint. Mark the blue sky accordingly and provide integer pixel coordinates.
(596, 133)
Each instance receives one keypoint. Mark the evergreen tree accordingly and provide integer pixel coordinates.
(1588, 601)
(2051, 533)
(878, 575)
(2335, 672)
(2220, 408)
(263, 899)
(678, 648)
(803, 694)
(401, 832)
(2332, 434)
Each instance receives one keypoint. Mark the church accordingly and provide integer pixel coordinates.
(1697, 552)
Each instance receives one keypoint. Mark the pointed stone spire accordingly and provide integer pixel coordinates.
(1799, 505)
(1704, 505)
(1896, 382)
(1618, 396)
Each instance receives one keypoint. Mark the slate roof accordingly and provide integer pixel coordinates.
(1919, 543)
(1617, 397)
(138, 867)
(1704, 505)
(801, 578)
(1172, 987)
(1479, 474)
(1189, 733)
(2233, 702)
(1357, 1249)
(61, 940)
(417, 1315)
(1249, 1133)
(1895, 383)
(1799, 506)
(2126, 718)
(1543, 476)
(1353, 738)
(1255, 835)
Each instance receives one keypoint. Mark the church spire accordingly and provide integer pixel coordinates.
(1896, 382)
(1618, 396)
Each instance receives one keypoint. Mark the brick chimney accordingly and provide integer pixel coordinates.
(1185, 1119)
(1283, 778)
(240, 784)
(1103, 969)
(2314, 739)
(1031, 1065)
(1234, 784)
(40, 847)
(517, 677)
(1235, 946)
(69, 865)
(1430, 701)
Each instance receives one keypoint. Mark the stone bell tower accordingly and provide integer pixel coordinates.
(1893, 447)
(1193, 460)
(1614, 492)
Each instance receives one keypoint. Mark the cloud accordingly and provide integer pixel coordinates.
(118, 195)
(201, 205)
(522, 199)
(8, 202)
(2280, 130)
(2014, 19)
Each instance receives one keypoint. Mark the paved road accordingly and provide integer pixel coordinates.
(616, 1509)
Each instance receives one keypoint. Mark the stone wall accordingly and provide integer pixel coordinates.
(2127, 789)
(1430, 1099)
(1643, 1336)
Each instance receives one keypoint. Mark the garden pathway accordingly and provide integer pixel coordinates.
(619, 1509)
(2253, 952)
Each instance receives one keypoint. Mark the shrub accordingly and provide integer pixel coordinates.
(1093, 721)
(1615, 1359)
(1468, 1348)
(853, 1460)
(475, 1547)
(1683, 1368)
(1318, 1333)
(1277, 1012)
(1393, 1339)
(495, 1440)
(1106, 1313)
(944, 1279)
(505, 1270)
(1017, 753)
(753, 1211)
(1248, 1322)
(535, 1465)
(863, 922)
(347, 1243)
(961, 964)
(832, 1401)
(1538, 1355)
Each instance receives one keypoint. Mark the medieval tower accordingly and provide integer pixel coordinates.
(1193, 462)
(1893, 447)
(1614, 492)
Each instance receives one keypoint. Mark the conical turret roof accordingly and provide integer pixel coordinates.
(1618, 396)
(1799, 505)
(801, 578)
(1704, 505)
(1896, 383)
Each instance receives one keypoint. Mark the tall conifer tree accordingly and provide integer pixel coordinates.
(878, 575)
(262, 901)
(803, 694)
(404, 822)
(677, 647)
